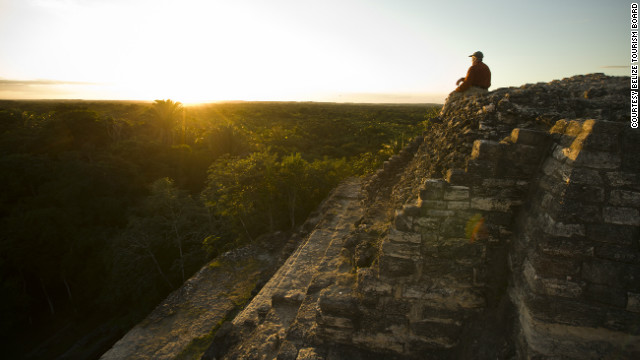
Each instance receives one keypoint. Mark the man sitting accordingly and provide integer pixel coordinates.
(477, 81)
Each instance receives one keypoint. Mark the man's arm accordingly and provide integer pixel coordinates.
(467, 81)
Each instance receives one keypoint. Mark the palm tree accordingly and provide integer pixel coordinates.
(167, 114)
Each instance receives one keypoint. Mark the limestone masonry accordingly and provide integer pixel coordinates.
(510, 230)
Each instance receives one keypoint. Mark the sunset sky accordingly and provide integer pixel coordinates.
(301, 50)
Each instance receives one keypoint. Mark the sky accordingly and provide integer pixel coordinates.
(387, 51)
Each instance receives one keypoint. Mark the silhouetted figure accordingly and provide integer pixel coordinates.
(477, 81)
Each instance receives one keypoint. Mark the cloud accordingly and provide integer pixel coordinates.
(41, 88)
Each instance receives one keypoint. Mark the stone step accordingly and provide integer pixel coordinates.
(262, 326)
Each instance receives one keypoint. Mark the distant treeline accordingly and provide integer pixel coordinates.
(106, 207)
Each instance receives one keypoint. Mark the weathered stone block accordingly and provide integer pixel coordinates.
(431, 204)
(436, 328)
(454, 227)
(481, 168)
(606, 295)
(387, 165)
(630, 151)
(625, 198)
(458, 205)
(601, 135)
(309, 354)
(632, 277)
(623, 321)
(370, 285)
(428, 311)
(552, 185)
(287, 351)
(395, 266)
(574, 211)
(552, 166)
(621, 215)
(429, 237)
(633, 302)
(290, 297)
(338, 303)
(498, 217)
(456, 193)
(572, 248)
(581, 176)
(438, 348)
(564, 311)
(497, 191)
(561, 154)
(493, 204)
(401, 250)
(336, 322)
(457, 177)
(529, 137)
(584, 193)
(437, 267)
(556, 228)
(402, 222)
(480, 276)
(460, 249)
(615, 234)
(411, 210)
(497, 182)
(524, 154)
(428, 223)
(440, 213)
(560, 127)
(521, 172)
(486, 150)
(619, 178)
(595, 159)
(403, 237)
(555, 267)
(561, 288)
(604, 272)
(452, 296)
(433, 189)
(618, 253)
(574, 127)
(376, 342)
(397, 307)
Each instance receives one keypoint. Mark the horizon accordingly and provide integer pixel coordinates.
(396, 52)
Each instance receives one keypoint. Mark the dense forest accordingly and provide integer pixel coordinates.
(106, 207)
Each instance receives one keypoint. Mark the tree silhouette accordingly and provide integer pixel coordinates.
(167, 114)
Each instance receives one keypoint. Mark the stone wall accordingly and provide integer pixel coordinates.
(442, 265)
(576, 263)
(530, 251)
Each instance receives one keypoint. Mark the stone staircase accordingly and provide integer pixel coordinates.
(283, 313)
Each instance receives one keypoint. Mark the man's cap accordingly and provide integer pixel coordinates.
(477, 54)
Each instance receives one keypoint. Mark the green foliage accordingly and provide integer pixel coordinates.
(106, 207)
(161, 244)
(259, 193)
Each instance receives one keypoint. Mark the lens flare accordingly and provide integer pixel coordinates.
(476, 228)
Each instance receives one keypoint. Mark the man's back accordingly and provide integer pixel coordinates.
(478, 75)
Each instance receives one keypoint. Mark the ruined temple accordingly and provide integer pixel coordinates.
(509, 230)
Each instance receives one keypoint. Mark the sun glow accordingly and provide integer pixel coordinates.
(331, 50)
(197, 50)
(206, 51)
